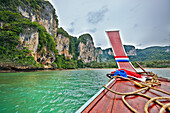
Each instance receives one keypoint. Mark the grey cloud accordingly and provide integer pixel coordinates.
(135, 25)
(71, 30)
(72, 23)
(95, 17)
(167, 39)
(135, 7)
(139, 45)
(92, 30)
(99, 44)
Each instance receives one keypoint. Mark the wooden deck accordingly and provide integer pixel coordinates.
(108, 102)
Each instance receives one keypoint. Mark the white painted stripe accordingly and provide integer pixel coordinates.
(143, 79)
(92, 98)
(121, 58)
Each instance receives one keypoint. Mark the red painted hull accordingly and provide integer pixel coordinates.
(108, 102)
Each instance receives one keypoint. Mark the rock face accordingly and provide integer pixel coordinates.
(46, 58)
(86, 48)
(84, 45)
(45, 16)
(108, 51)
(29, 39)
(63, 46)
(86, 52)
(106, 55)
(98, 52)
(167, 49)
(1, 24)
(130, 50)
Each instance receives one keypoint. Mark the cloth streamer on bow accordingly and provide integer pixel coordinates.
(121, 73)
(128, 73)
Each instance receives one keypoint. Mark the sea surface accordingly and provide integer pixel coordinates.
(52, 91)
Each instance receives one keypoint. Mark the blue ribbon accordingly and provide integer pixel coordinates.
(121, 73)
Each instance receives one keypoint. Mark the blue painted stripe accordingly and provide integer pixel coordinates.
(122, 60)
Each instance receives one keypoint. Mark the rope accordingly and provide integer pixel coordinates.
(125, 93)
(164, 107)
(153, 99)
(146, 96)
(130, 107)
(156, 89)
(154, 81)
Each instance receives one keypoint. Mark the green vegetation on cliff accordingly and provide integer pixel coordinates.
(67, 63)
(145, 64)
(158, 57)
(153, 64)
(128, 47)
(13, 25)
(9, 37)
(152, 54)
(73, 42)
(63, 63)
(73, 47)
(45, 39)
(62, 32)
(83, 38)
(14, 22)
(12, 5)
(106, 57)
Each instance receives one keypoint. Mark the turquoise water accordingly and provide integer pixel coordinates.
(52, 91)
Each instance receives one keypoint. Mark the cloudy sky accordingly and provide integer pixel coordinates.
(142, 23)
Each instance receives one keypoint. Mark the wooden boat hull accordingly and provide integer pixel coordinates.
(108, 102)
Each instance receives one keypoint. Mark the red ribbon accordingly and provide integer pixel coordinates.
(130, 73)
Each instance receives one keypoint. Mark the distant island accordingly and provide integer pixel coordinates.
(31, 40)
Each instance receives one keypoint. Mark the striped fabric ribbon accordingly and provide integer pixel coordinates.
(121, 58)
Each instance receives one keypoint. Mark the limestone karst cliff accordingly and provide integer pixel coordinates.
(82, 48)
(130, 50)
(36, 25)
(45, 16)
(38, 42)
(35, 22)
(86, 48)
(30, 37)
(63, 46)
(98, 53)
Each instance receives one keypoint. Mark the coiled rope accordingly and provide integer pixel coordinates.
(144, 86)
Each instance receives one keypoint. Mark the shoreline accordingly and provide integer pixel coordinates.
(49, 69)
